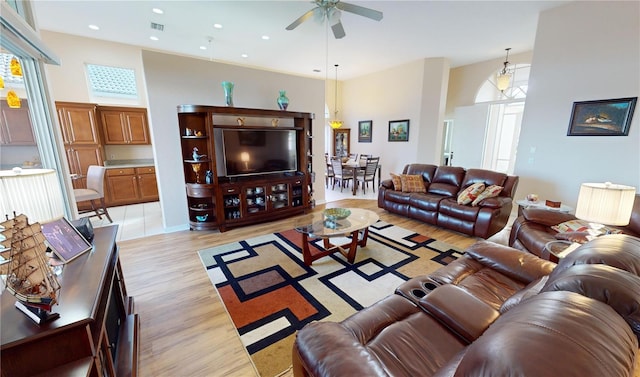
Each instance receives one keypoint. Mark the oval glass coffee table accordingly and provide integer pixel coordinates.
(316, 226)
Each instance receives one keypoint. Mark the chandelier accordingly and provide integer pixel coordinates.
(504, 77)
(335, 123)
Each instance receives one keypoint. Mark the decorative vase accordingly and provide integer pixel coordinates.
(283, 101)
(228, 93)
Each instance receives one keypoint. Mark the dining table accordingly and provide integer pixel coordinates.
(355, 167)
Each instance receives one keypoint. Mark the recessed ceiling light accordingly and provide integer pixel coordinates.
(94, 27)
(217, 26)
(153, 38)
(265, 37)
(203, 47)
(157, 11)
(244, 55)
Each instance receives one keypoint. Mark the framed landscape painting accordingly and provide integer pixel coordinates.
(610, 117)
(399, 130)
(364, 131)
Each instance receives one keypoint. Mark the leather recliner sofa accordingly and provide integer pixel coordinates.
(532, 230)
(439, 205)
(485, 315)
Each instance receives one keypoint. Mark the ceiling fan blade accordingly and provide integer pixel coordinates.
(301, 19)
(338, 30)
(362, 11)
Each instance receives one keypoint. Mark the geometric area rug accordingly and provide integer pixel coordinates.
(270, 294)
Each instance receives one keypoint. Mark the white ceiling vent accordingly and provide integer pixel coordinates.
(158, 27)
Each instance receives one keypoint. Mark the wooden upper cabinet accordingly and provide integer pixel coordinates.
(122, 125)
(78, 122)
(15, 125)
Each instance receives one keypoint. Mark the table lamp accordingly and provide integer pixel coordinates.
(605, 204)
(33, 192)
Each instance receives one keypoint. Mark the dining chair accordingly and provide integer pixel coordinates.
(368, 174)
(362, 161)
(329, 174)
(94, 191)
(342, 176)
(353, 156)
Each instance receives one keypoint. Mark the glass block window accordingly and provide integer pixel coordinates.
(108, 81)
(5, 71)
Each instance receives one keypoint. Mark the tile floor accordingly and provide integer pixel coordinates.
(135, 221)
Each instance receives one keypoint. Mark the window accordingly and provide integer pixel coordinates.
(108, 81)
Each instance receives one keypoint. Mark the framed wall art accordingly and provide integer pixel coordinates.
(365, 128)
(399, 130)
(610, 117)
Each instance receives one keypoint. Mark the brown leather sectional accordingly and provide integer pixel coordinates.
(532, 230)
(497, 311)
(439, 206)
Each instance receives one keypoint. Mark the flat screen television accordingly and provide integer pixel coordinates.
(252, 152)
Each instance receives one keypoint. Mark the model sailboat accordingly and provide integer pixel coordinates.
(28, 274)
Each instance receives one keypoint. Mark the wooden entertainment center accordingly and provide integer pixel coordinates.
(218, 201)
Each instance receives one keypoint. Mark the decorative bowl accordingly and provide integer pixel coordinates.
(335, 214)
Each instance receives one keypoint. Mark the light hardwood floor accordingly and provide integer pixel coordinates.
(185, 330)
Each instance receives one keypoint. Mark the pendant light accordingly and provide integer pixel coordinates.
(335, 123)
(504, 77)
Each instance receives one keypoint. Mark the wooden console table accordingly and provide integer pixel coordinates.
(97, 332)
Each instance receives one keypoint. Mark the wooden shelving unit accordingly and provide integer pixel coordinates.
(222, 202)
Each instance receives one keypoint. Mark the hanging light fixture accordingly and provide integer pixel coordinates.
(335, 123)
(504, 77)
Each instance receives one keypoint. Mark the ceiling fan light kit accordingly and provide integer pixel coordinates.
(331, 10)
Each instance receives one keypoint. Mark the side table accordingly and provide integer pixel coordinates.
(524, 203)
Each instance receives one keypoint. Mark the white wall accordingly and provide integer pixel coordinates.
(174, 80)
(583, 61)
(414, 91)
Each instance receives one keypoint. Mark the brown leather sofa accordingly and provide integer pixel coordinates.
(439, 206)
(487, 315)
(532, 230)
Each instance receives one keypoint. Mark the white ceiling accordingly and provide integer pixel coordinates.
(465, 32)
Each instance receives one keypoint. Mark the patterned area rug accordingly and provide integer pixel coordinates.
(270, 294)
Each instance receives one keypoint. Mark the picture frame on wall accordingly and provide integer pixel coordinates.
(611, 117)
(365, 128)
(399, 130)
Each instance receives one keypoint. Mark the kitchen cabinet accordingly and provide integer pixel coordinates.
(131, 185)
(79, 157)
(124, 125)
(78, 122)
(15, 125)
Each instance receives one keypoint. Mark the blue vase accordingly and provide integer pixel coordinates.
(283, 101)
(228, 93)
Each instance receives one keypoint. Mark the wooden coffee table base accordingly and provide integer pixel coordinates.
(358, 238)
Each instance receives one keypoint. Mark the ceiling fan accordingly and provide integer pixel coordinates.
(331, 10)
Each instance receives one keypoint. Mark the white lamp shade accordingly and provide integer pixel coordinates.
(33, 192)
(605, 203)
(502, 81)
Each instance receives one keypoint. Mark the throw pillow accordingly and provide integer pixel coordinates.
(397, 182)
(571, 226)
(412, 183)
(469, 194)
(490, 192)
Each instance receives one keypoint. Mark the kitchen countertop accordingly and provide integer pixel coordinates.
(119, 164)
